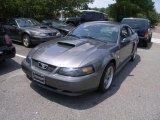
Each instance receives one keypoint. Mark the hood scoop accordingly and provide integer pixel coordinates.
(66, 44)
(71, 43)
(43, 27)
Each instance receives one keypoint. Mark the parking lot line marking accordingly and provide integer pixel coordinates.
(20, 56)
(155, 40)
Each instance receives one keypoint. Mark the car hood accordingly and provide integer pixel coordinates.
(70, 52)
(41, 29)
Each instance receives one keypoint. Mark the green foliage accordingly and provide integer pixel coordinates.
(133, 8)
(39, 9)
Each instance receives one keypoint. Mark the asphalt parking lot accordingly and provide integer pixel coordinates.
(134, 95)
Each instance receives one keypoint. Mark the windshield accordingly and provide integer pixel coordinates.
(134, 23)
(98, 31)
(27, 22)
(59, 24)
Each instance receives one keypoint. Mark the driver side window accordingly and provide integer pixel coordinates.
(124, 32)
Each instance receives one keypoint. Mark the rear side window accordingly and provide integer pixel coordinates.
(93, 16)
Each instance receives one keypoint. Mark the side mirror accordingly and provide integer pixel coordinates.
(14, 26)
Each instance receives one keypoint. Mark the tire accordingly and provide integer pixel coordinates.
(145, 44)
(107, 78)
(134, 55)
(26, 40)
(150, 39)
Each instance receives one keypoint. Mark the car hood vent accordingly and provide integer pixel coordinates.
(43, 27)
(66, 44)
(74, 43)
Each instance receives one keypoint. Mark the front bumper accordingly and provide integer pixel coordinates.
(143, 39)
(62, 84)
(7, 52)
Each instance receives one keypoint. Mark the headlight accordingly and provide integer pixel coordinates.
(28, 60)
(76, 72)
(38, 34)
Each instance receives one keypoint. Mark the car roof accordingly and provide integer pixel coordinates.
(91, 11)
(107, 22)
(132, 18)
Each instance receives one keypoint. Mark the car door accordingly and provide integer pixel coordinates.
(11, 29)
(126, 44)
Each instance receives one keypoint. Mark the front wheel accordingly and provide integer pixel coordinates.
(107, 78)
(145, 44)
(26, 40)
(134, 55)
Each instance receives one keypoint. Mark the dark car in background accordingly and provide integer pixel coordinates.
(29, 31)
(62, 27)
(84, 60)
(87, 16)
(7, 50)
(142, 27)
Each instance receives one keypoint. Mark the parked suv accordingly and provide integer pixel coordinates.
(7, 50)
(87, 15)
(142, 27)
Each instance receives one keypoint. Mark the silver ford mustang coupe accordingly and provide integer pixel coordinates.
(84, 60)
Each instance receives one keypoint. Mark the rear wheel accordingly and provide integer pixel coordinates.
(26, 40)
(107, 78)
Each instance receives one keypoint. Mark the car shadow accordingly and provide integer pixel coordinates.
(145, 48)
(20, 44)
(8, 66)
(89, 100)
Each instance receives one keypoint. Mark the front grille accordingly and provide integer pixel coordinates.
(52, 34)
(49, 68)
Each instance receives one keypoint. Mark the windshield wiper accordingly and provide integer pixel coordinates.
(73, 35)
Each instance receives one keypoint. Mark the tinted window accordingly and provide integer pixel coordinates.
(88, 15)
(12, 22)
(135, 23)
(100, 31)
(59, 24)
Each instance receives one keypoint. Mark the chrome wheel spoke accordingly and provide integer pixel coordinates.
(108, 77)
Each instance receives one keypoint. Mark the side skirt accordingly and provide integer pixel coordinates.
(122, 65)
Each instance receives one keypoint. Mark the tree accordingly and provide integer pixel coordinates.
(133, 8)
(39, 9)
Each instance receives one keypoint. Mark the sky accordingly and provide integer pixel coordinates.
(105, 3)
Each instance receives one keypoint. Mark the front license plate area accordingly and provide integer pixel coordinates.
(38, 77)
